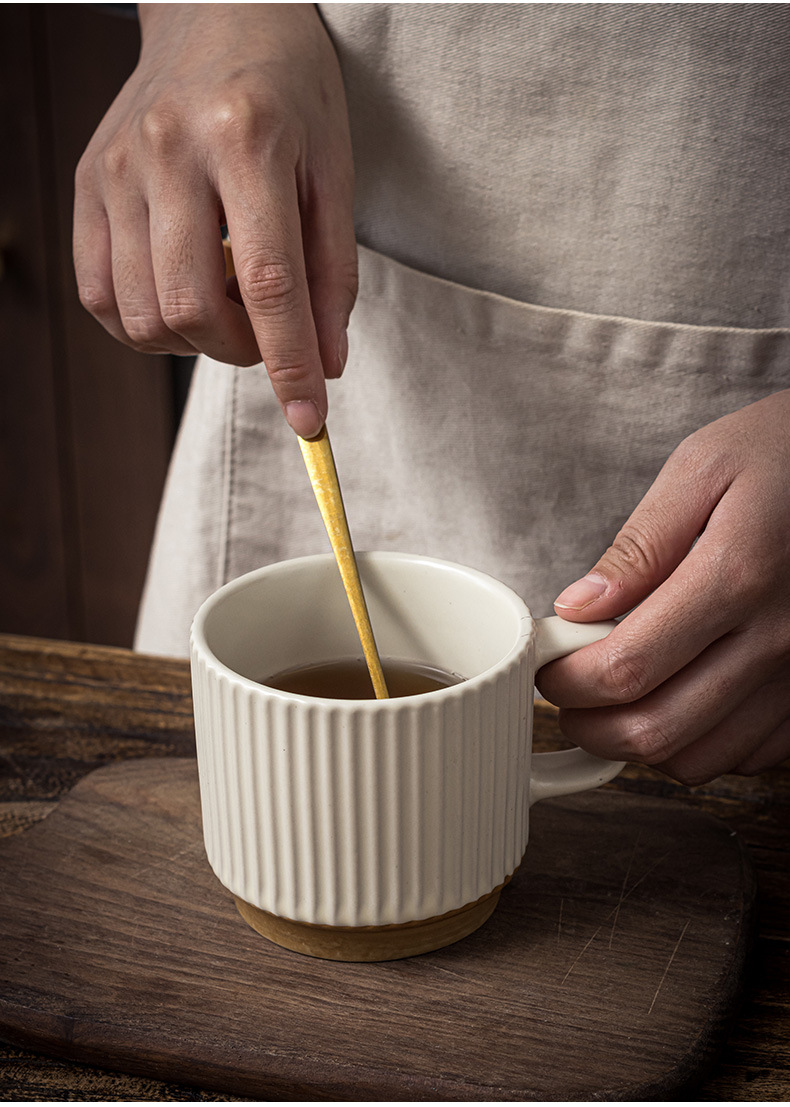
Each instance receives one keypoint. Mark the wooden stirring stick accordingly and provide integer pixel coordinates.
(317, 454)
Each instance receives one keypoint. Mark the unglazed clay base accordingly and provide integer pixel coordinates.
(370, 943)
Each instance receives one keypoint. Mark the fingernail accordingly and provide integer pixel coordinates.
(342, 350)
(304, 417)
(582, 592)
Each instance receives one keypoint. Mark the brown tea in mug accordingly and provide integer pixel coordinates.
(348, 679)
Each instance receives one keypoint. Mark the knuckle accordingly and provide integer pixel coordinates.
(633, 553)
(184, 312)
(269, 287)
(648, 740)
(288, 371)
(115, 159)
(161, 130)
(96, 299)
(628, 674)
(145, 330)
(243, 121)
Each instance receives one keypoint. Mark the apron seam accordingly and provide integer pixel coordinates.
(404, 271)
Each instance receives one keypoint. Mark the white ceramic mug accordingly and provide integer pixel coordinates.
(371, 829)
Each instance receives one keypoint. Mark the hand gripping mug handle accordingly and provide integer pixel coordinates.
(566, 771)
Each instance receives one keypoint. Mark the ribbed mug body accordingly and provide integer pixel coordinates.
(358, 813)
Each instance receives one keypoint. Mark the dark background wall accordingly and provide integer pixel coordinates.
(86, 425)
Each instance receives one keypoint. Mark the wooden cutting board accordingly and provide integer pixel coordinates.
(608, 971)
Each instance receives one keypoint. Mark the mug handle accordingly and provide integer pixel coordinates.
(567, 771)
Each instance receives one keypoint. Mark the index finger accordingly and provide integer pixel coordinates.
(265, 230)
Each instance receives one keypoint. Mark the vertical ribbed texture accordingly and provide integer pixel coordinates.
(350, 815)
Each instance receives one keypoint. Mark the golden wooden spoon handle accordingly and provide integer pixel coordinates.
(317, 454)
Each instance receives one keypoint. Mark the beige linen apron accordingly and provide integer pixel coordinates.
(575, 252)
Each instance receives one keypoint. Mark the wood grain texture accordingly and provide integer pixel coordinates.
(66, 709)
(618, 947)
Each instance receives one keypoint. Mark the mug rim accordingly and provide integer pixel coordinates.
(199, 646)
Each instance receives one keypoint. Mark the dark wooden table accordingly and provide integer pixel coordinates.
(66, 709)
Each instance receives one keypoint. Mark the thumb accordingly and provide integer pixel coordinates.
(650, 545)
